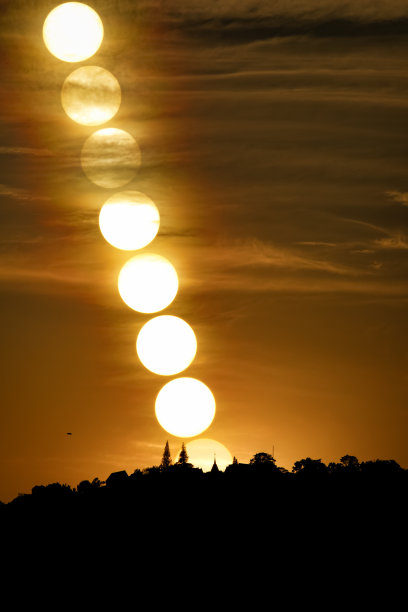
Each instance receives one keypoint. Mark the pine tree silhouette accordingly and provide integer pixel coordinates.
(166, 459)
(183, 458)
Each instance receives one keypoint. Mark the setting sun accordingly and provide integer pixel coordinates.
(203, 451)
(185, 407)
(90, 95)
(148, 283)
(73, 32)
(110, 158)
(166, 345)
(129, 220)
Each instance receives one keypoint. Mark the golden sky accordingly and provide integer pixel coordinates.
(274, 144)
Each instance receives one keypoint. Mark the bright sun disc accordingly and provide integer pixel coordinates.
(148, 283)
(129, 220)
(185, 407)
(166, 345)
(91, 95)
(73, 32)
(202, 452)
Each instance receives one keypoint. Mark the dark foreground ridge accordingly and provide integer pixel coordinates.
(259, 489)
(317, 515)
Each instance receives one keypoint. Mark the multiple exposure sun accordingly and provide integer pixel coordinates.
(166, 345)
(185, 407)
(73, 32)
(91, 95)
(148, 283)
(110, 158)
(129, 220)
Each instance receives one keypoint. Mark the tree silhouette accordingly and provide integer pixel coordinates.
(261, 458)
(381, 468)
(183, 458)
(166, 459)
(350, 462)
(309, 466)
(84, 487)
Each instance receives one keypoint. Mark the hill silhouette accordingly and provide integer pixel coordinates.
(255, 511)
(238, 490)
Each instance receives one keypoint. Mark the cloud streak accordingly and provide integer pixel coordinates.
(398, 242)
(401, 197)
(22, 195)
(31, 151)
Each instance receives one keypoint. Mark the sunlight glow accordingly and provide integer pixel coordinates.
(166, 345)
(91, 95)
(201, 454)
(148, 283)
(110, 158)
(129, 220)
(185, 407)
(73, 32)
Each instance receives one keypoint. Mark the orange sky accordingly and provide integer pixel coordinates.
(274, 145)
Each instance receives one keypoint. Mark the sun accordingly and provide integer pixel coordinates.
(129, 220)
(166, 345)
(202, 452)
(73, 32)
(185, 407)
(110, 158)
(91, 95)
(148, 283)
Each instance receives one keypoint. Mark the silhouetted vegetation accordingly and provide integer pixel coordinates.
(166, 459)
(258, 490)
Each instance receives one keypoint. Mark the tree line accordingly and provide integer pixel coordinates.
(261, 475)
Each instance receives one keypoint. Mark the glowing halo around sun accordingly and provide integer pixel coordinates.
(73, 32)
(185, 407)
(201, 454)
(166, 345)
(148, 283)
(110, 158)
(129, 220)
(91, 95)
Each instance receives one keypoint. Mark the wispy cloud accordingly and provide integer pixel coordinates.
(392, 239)
(254, 20)
(26, 151)
(316, 243)
(398, 196)
(26, 273)
(17, 193)
(398, 241)
(256, 253)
